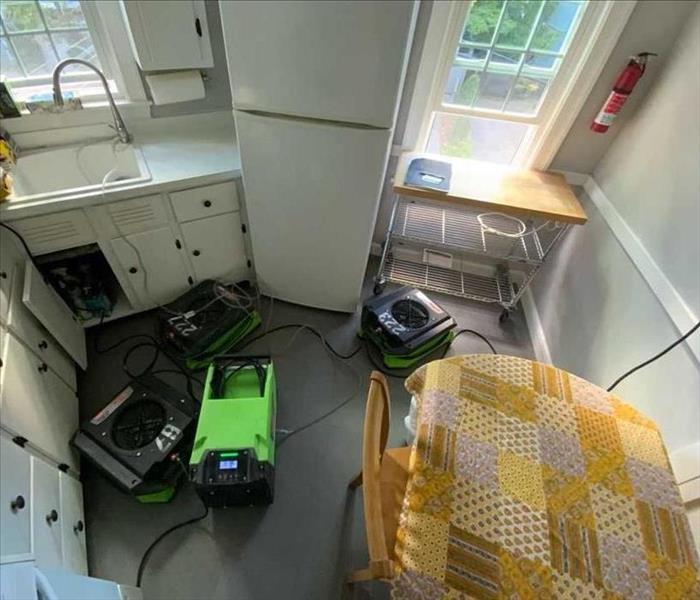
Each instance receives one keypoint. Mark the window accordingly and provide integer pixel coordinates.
(36, 34)
(500, 71)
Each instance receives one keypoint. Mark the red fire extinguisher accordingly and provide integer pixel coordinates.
(624, 85)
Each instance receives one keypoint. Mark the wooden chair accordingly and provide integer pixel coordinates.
(383, 479)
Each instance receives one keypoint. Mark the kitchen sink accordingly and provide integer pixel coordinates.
(51, 173)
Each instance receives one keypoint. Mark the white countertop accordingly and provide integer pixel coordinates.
(181, 153)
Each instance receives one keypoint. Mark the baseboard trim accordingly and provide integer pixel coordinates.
(573, 178)
(679, 312)
(534, 326)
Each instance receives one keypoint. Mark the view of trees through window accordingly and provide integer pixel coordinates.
(507, 55)
(36, 34)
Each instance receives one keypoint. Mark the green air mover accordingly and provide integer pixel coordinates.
(233, 458)
(209, 319)
(405, 326)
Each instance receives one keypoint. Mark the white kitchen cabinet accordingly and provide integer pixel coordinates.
(136, 215)
(10, 255)
(55, 231)
(46, 514)
(34, 335)
(36, 404)
(72, 525)
(215, 246)
(15, 494)
(168, 34)
(53, 313)
(160, 276)
(205, 201)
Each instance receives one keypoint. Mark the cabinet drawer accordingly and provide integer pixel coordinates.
(205, 201)
(139, 214)
(35, 336)
(46, 515)
(36, 403)
(15, 494)
(57, 231)
(72, 522)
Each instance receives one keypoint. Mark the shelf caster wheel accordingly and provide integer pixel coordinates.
(504, 316)
(378, 288)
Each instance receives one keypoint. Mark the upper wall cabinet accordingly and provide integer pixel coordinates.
(168, 34)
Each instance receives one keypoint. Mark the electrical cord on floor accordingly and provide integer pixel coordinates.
(653, 358)
(477, 334)
(403, 373)
(147, 341)
(301, 326)
(154, 543)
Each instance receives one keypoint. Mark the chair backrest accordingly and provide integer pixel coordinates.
(376, 433)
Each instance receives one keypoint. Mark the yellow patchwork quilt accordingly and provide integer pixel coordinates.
(529, 482)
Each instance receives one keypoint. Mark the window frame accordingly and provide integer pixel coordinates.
(599, 28)
(109, 36)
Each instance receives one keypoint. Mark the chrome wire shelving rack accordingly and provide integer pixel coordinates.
(458, 250)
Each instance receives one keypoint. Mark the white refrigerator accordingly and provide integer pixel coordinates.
(315, 87)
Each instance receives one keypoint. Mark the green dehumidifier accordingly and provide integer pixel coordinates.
(233, 457)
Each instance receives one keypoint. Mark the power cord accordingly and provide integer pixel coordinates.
(167, 532)
(22, 241)
(403, 373)
(681, 339)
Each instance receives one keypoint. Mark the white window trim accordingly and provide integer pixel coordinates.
(595, 39)
(111, 40)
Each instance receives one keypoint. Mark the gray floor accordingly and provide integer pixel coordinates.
(302, 545)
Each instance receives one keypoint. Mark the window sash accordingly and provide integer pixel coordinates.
(598, 30)
(10, 36)
(454, 41)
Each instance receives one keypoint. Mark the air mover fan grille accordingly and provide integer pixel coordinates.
(138, 424)
(410, 313)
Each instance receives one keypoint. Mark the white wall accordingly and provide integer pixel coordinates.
(599, 314)
(652, 171)
(652, 27)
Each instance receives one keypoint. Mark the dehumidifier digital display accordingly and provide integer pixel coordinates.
(226, 465)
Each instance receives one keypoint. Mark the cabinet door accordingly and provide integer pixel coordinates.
(34, 335)
(15, 496)
(163, 276)
(53, 313)
(36, 403)
(215, 246)
(10, 256)
(169, 34)
(72, 525)
(46, 515)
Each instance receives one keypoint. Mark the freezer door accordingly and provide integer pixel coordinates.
(311, 192)
(341, 61)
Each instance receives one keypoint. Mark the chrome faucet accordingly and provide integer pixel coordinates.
(119, 125)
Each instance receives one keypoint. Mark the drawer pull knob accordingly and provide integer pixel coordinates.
(43, 345)
(18, 503)
(43, 367)
(52, 517)
(3, 275)
(78, 527)
(133, 270)
(207, 203)
(196, 252)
